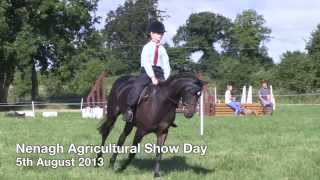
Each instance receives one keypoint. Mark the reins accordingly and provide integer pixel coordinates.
(176, 103)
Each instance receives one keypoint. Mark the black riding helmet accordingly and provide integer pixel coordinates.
(156, 27)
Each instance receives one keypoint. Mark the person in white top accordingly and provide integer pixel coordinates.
(150, 63)
(155, 66)
(231, 101)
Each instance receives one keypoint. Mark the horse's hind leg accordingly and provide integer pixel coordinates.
(137, 139)
(105, 129)
(126, 131)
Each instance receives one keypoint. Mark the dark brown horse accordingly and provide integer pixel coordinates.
(156, 113)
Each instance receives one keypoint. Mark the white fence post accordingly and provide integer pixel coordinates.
(215, 95)
(249, 97)
(81, 105)
(273, 100)
(201, 114)
(33, 107)
(244, 95)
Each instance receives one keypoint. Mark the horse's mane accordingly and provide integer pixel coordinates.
(123, 80)
(182, 75)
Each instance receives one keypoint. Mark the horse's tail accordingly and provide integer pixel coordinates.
(109, 120)
(113, 106)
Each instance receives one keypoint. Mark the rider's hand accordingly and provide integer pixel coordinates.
(155, 81)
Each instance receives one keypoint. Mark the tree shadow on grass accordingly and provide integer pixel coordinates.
(175, 163)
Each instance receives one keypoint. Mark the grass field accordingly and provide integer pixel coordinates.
(283, 146)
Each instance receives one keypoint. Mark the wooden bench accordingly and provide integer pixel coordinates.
(225, 110)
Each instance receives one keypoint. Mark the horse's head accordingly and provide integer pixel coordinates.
(189, 88)
(190, 97)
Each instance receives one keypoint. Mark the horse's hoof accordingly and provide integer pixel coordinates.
(118, 168)
(157, 176)
(98, 164)
(174, 125)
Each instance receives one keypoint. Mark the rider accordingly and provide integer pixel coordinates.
(154, 66)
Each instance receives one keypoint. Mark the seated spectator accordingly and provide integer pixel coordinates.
(264, 95)
(231, 101)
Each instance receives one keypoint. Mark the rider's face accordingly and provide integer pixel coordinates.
(156, 37)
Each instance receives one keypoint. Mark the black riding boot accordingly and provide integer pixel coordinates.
(128, 115)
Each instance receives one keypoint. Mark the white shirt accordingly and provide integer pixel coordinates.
(227, 97)
(147, 57)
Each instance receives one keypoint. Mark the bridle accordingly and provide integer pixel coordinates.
(176, 102)
(173, 101)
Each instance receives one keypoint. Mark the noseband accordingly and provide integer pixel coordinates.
(176, 103)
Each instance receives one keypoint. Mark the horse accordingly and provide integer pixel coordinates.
(154, 114)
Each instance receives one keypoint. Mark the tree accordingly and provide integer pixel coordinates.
(90, 61)
(125, 30)
(201, 32)
(231, 69)
(243, 56)
(246, 37)
(313, 48)
(179, 60)
(74, 77)
(295, 72)
(40, 35)
(8, 31)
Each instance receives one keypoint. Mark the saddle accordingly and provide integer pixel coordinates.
(144, 95)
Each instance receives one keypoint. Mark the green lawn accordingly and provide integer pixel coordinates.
(283, 146)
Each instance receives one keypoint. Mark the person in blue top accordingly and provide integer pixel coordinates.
(155, 66)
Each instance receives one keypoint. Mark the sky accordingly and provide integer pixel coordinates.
(291, 21)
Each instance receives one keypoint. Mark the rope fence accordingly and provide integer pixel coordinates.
(283, 95)
(313, 99)
(46, 104)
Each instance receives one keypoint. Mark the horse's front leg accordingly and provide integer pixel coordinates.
(126, 131)
(137, 139)
(161, 138)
